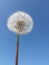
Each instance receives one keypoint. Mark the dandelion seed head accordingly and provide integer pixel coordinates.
(20, 22)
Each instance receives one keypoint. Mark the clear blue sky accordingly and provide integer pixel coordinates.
(34, 47)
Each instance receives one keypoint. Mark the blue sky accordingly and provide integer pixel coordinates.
(34, 47)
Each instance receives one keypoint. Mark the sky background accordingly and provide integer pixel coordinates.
(34, 47)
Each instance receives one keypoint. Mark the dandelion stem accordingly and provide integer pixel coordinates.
(17, 49)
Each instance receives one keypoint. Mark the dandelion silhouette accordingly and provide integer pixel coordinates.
(20, 23)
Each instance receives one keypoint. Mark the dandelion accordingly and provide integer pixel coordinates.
(20, 23)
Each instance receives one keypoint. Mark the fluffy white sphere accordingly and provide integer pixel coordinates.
(20, 22)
